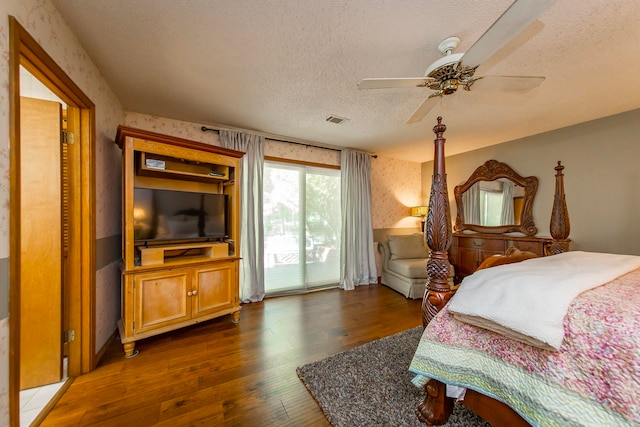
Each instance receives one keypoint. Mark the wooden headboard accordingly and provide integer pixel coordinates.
(438, 229)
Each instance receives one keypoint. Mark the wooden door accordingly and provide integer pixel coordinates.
(161, 300)
(214, 288)
(41, 353)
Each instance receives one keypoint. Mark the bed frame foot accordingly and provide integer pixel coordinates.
(436, 407)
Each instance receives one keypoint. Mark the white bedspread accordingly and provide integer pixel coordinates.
(532, 297)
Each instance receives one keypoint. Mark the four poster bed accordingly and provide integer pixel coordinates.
(575, 361)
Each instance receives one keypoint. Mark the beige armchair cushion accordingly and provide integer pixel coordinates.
(407, 246)
(406, 275)
(414, 268)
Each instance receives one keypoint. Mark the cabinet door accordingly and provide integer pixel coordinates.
(216, 288)
(160, 299)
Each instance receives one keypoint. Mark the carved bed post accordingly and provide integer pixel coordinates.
(560, 225)
(436, 407)
(437, 234)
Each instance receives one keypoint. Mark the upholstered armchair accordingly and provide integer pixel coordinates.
(404, 260)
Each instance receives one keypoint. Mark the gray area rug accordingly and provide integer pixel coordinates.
(371, 385)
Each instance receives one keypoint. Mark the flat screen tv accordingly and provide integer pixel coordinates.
(169, 215)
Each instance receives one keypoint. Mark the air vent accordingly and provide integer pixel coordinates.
(336, 119)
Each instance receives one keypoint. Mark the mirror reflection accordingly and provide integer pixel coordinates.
(495, 199)
(493, 203)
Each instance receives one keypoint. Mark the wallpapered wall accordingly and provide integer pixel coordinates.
(43, 22)
(606, 149)
(396, 184)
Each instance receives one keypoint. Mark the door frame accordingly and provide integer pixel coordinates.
(25, 51)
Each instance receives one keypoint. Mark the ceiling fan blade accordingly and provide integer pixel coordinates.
(507, 83)
(424, 108)
(392, 83)
(515, 19)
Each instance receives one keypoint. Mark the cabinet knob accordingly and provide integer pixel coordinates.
(189, 293)
(194, 293)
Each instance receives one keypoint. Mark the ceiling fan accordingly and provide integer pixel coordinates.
(455, 70)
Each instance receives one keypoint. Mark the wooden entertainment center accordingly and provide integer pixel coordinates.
(172, 283)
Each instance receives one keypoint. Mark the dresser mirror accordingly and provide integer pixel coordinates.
(495, 199)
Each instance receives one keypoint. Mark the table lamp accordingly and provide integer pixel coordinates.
(420, 211)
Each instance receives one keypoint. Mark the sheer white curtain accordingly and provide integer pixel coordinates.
(507, 202)
(251, 227)
(357, 258)
(471, 204)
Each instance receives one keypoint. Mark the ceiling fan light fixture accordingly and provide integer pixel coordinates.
(446, 61)
(449, 86)
(454, 70)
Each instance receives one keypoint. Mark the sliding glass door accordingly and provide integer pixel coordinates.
(301, 226)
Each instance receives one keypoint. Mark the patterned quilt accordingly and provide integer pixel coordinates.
(592, 380)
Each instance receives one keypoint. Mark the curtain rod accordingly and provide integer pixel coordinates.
(205, 129)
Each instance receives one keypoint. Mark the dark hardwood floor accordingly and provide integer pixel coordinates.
(223, 374)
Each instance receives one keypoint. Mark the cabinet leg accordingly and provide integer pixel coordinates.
(236, 316)
(129, 349)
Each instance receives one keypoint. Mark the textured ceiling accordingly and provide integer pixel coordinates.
(282, 66)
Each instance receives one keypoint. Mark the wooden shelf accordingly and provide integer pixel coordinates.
(182, 253)
(159, 166)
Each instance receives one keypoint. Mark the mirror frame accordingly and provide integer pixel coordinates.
(490, 171)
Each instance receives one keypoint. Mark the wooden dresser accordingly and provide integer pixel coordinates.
(468, 250)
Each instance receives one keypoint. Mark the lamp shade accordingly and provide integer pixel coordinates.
(419, 210)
